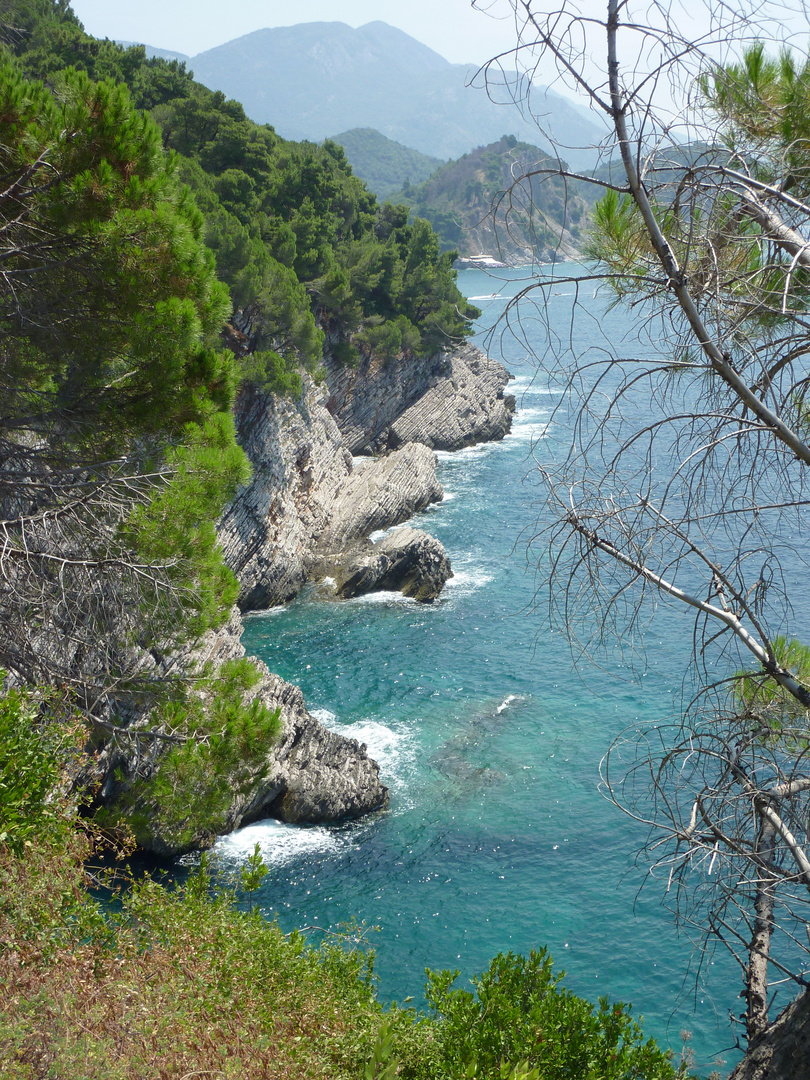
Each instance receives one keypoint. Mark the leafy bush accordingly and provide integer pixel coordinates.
(179, 982)
(519, 1013)
(32, 754)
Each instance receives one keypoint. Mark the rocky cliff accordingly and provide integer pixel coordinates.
(310, 774)
(312, 505)
(447, 401)
(307, 515)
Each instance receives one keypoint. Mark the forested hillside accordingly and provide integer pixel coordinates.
(383, 164)
(506, 200)
(294, 233)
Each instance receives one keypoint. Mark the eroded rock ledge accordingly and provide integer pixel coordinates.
(311, 505)
(447, 401)
(310, 775)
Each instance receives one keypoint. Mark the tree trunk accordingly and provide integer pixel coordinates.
(760, 948)
(782, 1051)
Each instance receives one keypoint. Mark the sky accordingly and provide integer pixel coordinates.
(458, 30)
(462, 31)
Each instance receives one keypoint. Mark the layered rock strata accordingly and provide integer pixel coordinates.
(309, 503)
(308, 514)
(406, 560)
(309, 775)
(447, 401)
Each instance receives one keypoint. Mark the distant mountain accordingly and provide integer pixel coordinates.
(313, 79)
(164, 54)
(499, 201)
(385, 165)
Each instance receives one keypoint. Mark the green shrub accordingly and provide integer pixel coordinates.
(272, 373)
(32, 752)
(224, 739)
(520, 1014)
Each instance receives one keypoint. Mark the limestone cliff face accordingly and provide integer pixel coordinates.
(310, 775)
(447, 401)
(310, 504)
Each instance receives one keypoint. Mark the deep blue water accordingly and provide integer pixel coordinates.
(490, 739)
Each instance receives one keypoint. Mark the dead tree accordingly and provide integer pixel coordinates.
(686, 479)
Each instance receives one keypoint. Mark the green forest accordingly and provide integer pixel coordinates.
(512, 192)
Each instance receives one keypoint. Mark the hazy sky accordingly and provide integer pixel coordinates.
(456, 29)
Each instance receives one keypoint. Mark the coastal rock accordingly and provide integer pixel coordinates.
(447, 401)
(299, 467)
(406, 560)
(381, 492)
(313, 775)
(310, 775)
(308, 498)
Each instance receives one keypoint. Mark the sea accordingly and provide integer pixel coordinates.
(489, 730)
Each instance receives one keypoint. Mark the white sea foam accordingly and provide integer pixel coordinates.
(479, 450)
(324, 716)
(507, 701)
(381, 598)
(266, 613)
(468, 580)
(387, 745)
(394, 748)
(279, 843)
(532, 430)
(537, 415)
(527, 386)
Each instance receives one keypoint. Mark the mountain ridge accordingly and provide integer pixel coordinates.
(310, 80)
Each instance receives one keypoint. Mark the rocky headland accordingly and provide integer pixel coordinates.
(352, 457)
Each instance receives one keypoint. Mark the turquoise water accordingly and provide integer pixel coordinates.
(490, 739)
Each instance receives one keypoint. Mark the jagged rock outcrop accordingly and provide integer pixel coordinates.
(311, 504)
(308, 498)
(381, 492)
(309, 775)
(308, 513)
(447, 401)
(406, 560)
(313, 775)
(299, 465)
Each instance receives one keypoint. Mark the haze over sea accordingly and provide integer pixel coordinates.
(489, 738)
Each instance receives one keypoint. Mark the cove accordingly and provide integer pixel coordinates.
(489, 735)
